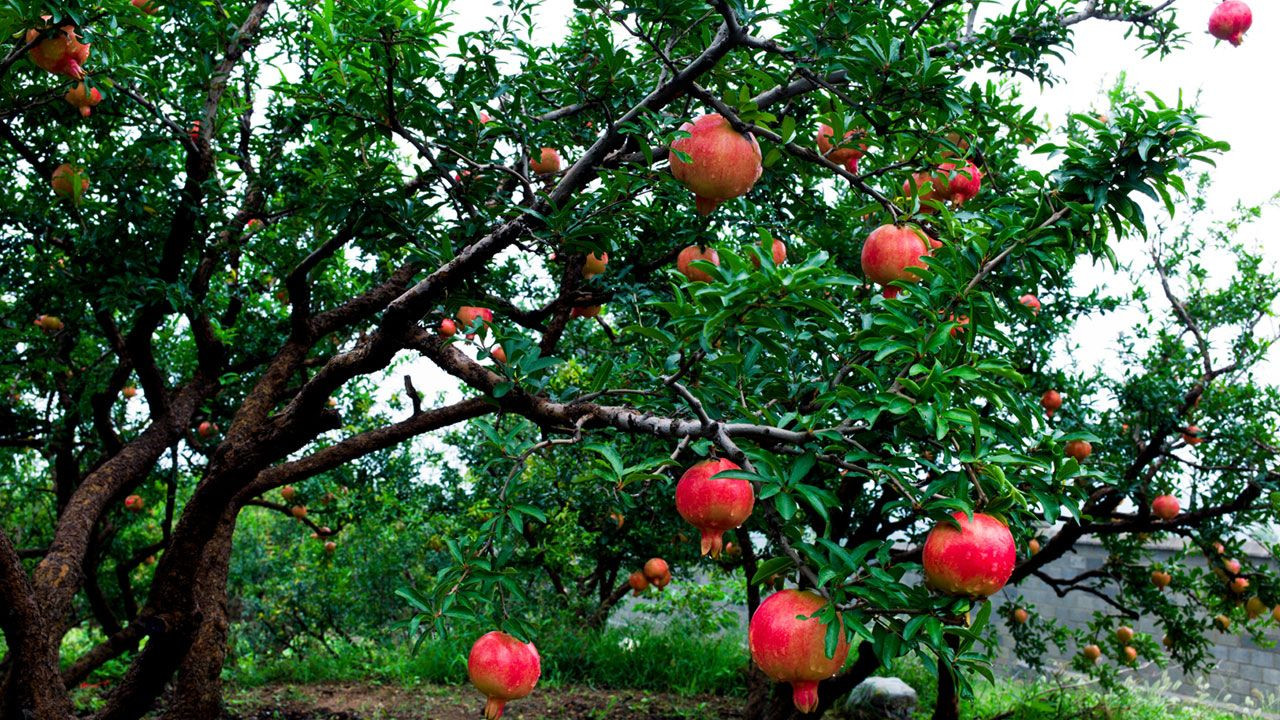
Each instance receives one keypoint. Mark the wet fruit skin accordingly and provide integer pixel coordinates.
(791, 650)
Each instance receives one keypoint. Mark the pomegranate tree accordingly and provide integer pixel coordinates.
(503, 668)
(969, 557)
(890, 252)
(723, 163)
(712, 504)
(789, 644)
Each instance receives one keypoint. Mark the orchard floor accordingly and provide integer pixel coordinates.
(373, 702)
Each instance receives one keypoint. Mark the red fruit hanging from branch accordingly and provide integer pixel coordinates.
(792, 650)
(974, 559)
(1165, 507)
(638, 582)
(1230, 21)
(1051, 401)
(723, 164)
(847, 153)
(657, 572)
(69, 182)
(890, 251)
(60, 51)
(547, 162)
(711, 504)
(504, 669)
(594, 264)
(684, 262)
(83, 97)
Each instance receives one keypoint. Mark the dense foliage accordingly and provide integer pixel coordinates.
(286, 201)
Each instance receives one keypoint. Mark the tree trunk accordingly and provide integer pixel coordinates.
(31, 689)
(197, 694)
(948, 707)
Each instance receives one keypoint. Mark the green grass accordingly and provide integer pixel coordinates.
(674, 659)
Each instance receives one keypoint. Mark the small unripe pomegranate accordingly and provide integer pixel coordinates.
(1051, 401)
(1223, 622)
(889, 252)
(1079, 449)
(467, 315)
(777, 249)
(1230, 21)
(288, 492)
(129, 392)
(961, 322)
(66, 178)
(1255, 608)
(548, 162)
(1232, 566)
(1021, 616)
(638, 582)
(1032, 302)
(1161, 579)
(1165, 507)
(594, 264)
(1239, 585)
(298, 511)
(975, 559)
(1124, 634)
(83, 97)
(1191, 435)
(1091, 653)
(1219, 548)
(330, 547)
(692, 253)
(498, 354)
(503, 668)
(448, 327)
(133, 503)
(723, 163)
(792, 650)
(206, 429)
(60, 52)
(618, 519)
(1033, 546)
(49, 323)
(847, 154)
(711, 504)
(145, 6)
(1130, 654)
(589, 311)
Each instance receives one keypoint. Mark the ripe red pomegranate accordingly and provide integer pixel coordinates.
(330, 547)
(1165, 507)
(548, 162)
(847, 154)
(792, 650)
(1031, 301)
(657, 572)
(711, 504)
(594, 264)
(65, 180)
(1051, 401)
(589, 311)
(503, 668)
(691, 253)
(1161, 579)
(133, 503)
(890, 250)
(1079, 449)
(206, 429)
(638, 582)
(723, 163)
(947, 184)
(288, 493)
(60, 52)
(1191, 435)
(448, 327)
(1239, 585)
(975, 559)
(83, 97)
(1232, 566)
(1021, 616)
(777, 249)
(298, 511)
(1230, 20)
(467, 315)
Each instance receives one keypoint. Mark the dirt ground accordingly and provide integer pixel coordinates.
(371, 702)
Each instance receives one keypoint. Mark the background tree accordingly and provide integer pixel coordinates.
(284, 201)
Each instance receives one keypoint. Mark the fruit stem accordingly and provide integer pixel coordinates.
(493, 708)
(804, 693)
